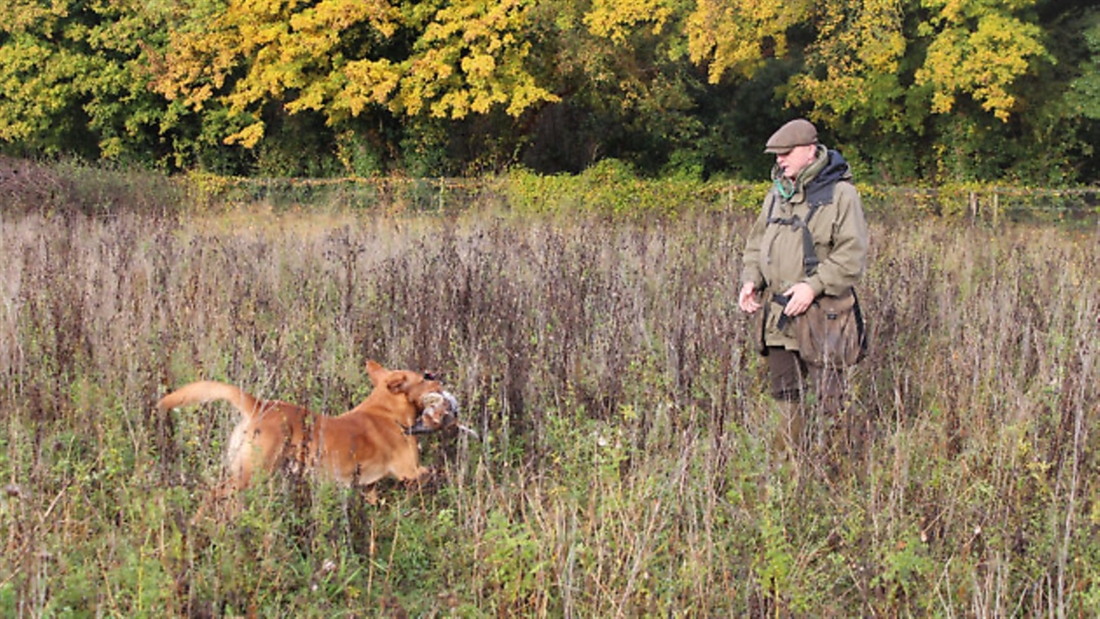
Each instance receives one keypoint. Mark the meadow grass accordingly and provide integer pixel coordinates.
(623, 464)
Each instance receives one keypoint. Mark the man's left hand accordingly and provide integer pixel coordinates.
(801, 296)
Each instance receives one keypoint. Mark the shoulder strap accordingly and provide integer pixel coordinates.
(818, 192)
(809, 256)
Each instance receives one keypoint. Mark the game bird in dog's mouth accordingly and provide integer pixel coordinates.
(371, 441)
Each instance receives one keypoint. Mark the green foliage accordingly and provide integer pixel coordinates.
(1084, 95)
(609, 187)
(73, 79)
(510, 555)
(909, 89)
(425, 147)
(1078, 117)
(906, 569)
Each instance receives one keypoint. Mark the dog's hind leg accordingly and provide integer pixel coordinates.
(223, 498)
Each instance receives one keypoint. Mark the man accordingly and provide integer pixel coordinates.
(812, 193)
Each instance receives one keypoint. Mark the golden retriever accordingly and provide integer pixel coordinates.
(373, 440)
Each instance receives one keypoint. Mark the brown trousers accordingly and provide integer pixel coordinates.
(788, 373)
(827, 424)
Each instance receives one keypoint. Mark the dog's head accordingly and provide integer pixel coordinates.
(436, 409)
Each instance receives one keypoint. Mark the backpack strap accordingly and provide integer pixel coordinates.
(809, 256)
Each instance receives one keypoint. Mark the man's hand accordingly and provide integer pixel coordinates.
(747, 299)
(801, 296)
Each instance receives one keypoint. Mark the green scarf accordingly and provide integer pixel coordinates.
(787, 188)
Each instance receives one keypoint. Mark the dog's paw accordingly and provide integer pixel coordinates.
(429, 480)
(371, 496)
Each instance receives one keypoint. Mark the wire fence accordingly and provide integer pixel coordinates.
(992, 204)
(68, 186)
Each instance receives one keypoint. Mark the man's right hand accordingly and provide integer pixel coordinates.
(747, 299)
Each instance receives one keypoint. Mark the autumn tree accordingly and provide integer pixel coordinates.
(344, 59)
(978, 48)
(74, 79)
(739, 37)
(909, 89)
(942, 76)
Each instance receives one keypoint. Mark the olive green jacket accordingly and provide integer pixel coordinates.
(773, 252)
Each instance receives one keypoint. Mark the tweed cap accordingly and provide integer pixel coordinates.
(798, 132)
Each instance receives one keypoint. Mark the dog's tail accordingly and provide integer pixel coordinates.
(208, 391)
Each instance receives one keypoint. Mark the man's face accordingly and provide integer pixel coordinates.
(796, 160)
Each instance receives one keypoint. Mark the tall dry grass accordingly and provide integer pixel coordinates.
(622, 465)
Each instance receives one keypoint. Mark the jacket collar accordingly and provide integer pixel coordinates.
(815, 183)
(794, 190)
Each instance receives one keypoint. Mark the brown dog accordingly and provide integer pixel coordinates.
(359, 447)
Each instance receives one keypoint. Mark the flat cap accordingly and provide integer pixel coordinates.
(798, 132)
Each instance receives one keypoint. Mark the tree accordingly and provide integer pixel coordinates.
(740, 36)
(853, 73)
(342, 58)
(628, 89)
(909, 89)
(248, 54)
(979, 48)
(73, 78)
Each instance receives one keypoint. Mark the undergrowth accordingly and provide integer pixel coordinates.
(622, 464)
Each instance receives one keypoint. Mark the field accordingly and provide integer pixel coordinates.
(622, 465)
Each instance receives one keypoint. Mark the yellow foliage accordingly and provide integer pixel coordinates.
(855, 60)
(732, 34)
(614, 19)
(285, 47)
(979, 50)
(249, 136)
(367, 82)
(472, 57)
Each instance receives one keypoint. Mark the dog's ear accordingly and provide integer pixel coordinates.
(397, 384)
(374, 369)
